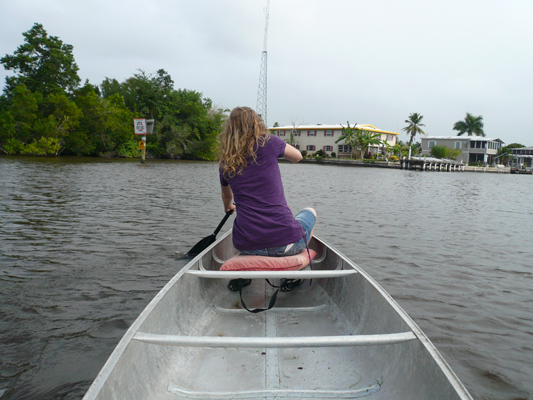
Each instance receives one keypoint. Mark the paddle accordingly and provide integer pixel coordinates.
(205, 242)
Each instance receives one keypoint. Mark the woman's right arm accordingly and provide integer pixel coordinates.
(227, 198)
(292, 154)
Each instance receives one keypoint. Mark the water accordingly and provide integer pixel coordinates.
(85, 244)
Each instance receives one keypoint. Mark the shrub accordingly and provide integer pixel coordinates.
(438, 151)
(42, 147)
(304, 153)
(13, 146)
(333, 154)
(393, 158)
(452, 154)
(321, 153)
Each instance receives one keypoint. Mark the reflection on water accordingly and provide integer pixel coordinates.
(85, 244)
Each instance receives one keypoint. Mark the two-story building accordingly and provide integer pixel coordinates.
(522, 157)
(323, 137)
(473, 148)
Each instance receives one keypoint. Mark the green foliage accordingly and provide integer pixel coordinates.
(452, 154)
(367, 138)
(43, 147)
(471, 125)
(414, 126)
(393, 158)
(45, 111)
(333, 154)
(44, 64)
(438, 151)
(304, 153)
(321, 153)
(129, 149)
(13, 146)
(186, 124)
(350, 137)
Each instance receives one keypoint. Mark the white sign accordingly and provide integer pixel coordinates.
(139, 125)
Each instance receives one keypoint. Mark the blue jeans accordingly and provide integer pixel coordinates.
(307, 220)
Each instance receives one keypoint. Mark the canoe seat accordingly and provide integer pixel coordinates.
(274, 342)
(261, 263)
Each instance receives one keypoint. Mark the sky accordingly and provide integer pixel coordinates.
(329, 62)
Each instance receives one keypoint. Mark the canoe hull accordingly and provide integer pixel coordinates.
(339, 337)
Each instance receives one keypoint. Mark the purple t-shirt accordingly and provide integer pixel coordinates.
(264, 219)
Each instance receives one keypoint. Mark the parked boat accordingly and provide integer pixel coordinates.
(337, 336)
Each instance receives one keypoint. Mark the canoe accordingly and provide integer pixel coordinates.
(339, 335)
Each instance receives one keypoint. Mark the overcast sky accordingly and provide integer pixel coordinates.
(329, 62)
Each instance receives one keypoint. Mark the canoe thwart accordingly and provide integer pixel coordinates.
(302, 274)
(274, 342)
(275, 393)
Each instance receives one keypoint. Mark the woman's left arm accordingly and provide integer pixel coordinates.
(292, 154)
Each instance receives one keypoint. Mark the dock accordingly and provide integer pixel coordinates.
(432, 164)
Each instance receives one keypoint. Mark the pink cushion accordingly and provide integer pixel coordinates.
(260, 263)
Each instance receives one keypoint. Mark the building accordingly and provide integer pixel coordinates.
(473, 148)
(322, 137)
(522, 157)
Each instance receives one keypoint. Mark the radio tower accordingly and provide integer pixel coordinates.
(262, 90)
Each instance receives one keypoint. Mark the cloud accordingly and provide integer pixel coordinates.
(328, 62)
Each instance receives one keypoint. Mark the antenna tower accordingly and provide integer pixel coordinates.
(262, 89)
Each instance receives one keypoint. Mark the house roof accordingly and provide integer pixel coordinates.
(366, 127)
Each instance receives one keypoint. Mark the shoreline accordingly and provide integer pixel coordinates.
(395, 165)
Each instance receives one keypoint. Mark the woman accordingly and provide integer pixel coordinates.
(250, 176)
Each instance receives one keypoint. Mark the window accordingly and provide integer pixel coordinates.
(329, 133)
(311, 147)
(457, 145)
(390, 138)
(432, 144)
(281, 133)
(311, 133)
(345, 148)
(296, 133)
(298, 147)
(328, 148)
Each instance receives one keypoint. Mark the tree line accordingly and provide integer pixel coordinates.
(45, 110)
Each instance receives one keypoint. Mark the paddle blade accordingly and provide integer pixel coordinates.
(202, 245)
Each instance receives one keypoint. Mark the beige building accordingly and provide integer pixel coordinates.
(323, 137)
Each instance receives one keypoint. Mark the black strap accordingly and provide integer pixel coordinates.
(257, 310)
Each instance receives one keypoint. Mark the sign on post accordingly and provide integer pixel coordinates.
(140, 126)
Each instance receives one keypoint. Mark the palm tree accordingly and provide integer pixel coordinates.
(350, 137)
(366, 139)
(414, 126)
(471, 125)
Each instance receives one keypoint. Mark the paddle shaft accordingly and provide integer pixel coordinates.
(219, 227)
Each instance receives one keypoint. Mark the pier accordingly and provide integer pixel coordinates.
(432, 164)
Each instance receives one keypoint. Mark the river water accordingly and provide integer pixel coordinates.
(85, 244)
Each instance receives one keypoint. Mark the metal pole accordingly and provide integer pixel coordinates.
(143, 150)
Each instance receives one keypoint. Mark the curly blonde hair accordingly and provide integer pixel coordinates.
(243, 131)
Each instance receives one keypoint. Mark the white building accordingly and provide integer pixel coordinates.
(522, 157)
(473, 148)
(322, 137)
